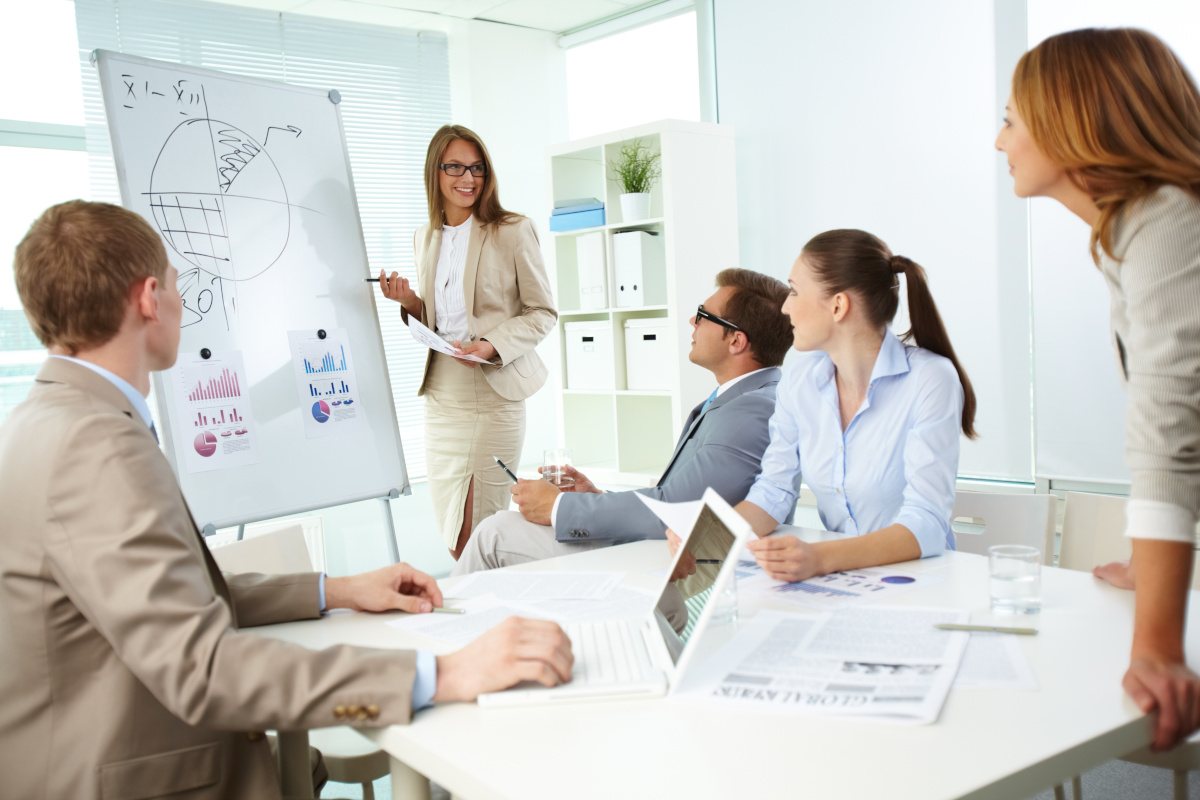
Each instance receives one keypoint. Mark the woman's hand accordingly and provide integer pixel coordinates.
(786, 558)
(480, 349)
(398, 289)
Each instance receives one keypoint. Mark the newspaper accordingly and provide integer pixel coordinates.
(886, 664)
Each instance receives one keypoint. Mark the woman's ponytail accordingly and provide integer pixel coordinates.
(851, 260)
(927, 330)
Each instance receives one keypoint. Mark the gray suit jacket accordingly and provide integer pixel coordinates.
(721, 448)
(124, 671)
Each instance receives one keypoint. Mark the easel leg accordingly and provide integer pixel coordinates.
(389, 533)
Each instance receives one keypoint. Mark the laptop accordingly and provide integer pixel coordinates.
(624, 659)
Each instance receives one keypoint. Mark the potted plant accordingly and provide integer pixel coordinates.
(635, 169)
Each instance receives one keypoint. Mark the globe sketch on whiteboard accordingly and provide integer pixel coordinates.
(222, 205)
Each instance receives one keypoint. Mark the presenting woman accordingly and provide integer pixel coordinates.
(483, 288)
(872, 423)
(1107, 122)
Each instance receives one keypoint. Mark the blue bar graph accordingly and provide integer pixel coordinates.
(328, 364)
(335, 387)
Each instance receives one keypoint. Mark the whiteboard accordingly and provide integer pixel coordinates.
(249, 184)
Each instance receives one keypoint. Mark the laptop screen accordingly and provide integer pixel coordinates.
(683, 601)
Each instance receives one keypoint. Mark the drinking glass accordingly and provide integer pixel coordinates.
(553, 463)
(1016, 579)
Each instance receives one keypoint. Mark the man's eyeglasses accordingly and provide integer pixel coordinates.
(724, 323)
(456, 170)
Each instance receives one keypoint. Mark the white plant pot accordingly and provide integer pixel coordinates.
(635, 207)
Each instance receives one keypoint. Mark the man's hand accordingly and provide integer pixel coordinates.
(581, 482)
(786, 558)
(535, 499)
(687, 562)
(1173, 689)
(515, 650)
(398, 289)
(478, 349)
(395, 588)
(1119, 573)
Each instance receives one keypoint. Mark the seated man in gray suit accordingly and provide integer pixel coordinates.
(125, 664)
(741, 335)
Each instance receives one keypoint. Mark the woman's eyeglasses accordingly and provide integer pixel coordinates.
(456, 170)
(724, 323)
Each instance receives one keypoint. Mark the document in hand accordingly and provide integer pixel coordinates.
(884, 664)
(422, 335)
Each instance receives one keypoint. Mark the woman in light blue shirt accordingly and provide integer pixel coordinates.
(872, 423)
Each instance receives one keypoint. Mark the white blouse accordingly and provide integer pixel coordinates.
(449, 301)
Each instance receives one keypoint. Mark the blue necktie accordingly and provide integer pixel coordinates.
(709, 401)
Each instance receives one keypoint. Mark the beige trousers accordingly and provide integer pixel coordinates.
(466, 424)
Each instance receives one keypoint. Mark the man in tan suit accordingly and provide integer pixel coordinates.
(125, 669)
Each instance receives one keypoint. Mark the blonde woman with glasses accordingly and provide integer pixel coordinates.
(1107, 122)
(482, 286)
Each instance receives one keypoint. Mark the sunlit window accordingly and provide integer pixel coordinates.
(39, 59)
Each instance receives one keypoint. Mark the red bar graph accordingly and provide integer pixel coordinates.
(221, 386)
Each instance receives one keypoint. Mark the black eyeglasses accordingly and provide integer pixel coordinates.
(724, 323)
(456, 170)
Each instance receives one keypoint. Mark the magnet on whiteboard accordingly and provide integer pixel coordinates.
(205, 353)
(321, 333)
(335, 96)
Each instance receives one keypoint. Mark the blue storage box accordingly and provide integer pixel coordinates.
(579, 219)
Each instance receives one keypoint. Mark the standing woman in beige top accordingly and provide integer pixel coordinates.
(483, 288)
(1107, 122)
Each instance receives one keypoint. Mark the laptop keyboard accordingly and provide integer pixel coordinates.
(608, 652)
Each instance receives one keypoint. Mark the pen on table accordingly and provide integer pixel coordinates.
(444, 610)
(506, 469)
(708, 561)
(946, 626)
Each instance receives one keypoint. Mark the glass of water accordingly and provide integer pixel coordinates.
(1016, 579)
(554, 462)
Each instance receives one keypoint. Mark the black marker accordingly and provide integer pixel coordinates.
(506, 469)
(371, 280)
(708, 561)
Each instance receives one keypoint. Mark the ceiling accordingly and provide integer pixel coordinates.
(558, 16)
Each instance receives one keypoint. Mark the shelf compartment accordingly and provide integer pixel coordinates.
(645, 442)
(590, 428)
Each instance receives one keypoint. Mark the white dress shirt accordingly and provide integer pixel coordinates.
(449, 298)
(897, 460)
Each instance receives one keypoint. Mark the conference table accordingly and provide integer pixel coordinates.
(987, 743)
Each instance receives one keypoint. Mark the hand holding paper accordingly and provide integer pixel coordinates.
(422, 335)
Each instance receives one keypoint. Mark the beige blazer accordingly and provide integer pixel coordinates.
(124, 671)
(508, 300)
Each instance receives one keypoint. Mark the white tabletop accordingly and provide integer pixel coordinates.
(985, 744)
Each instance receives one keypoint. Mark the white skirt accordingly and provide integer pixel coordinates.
(466, 423)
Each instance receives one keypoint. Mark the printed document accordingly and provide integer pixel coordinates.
(995, 661)
(886, 664)
(423, 336)
(835, 590)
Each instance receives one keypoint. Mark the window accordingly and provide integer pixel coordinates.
(40, 154)
(635, 76)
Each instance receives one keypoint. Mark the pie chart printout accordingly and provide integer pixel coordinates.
(320, 411)
(206, 444)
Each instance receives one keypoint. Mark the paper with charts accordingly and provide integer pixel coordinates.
(427, 338)
(884, 664)
(834, 590)
(330, 404)
(214, 424)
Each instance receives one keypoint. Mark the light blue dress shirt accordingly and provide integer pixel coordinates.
(897, 460)
(424, 685)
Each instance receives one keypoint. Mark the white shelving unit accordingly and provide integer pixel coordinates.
(621, 436)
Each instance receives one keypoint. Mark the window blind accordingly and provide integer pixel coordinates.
(395, 87)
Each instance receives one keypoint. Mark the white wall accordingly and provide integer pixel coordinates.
(880, 115)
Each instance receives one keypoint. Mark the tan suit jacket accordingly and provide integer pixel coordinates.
(123, 671)
(508, 296)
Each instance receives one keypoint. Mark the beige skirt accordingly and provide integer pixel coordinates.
(466, 423)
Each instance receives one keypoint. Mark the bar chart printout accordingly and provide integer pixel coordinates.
(213, 416)
(325, 382)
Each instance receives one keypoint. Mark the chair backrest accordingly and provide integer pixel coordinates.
(982, 519)
(314, 535)
(278, 552)
(1093, 531)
